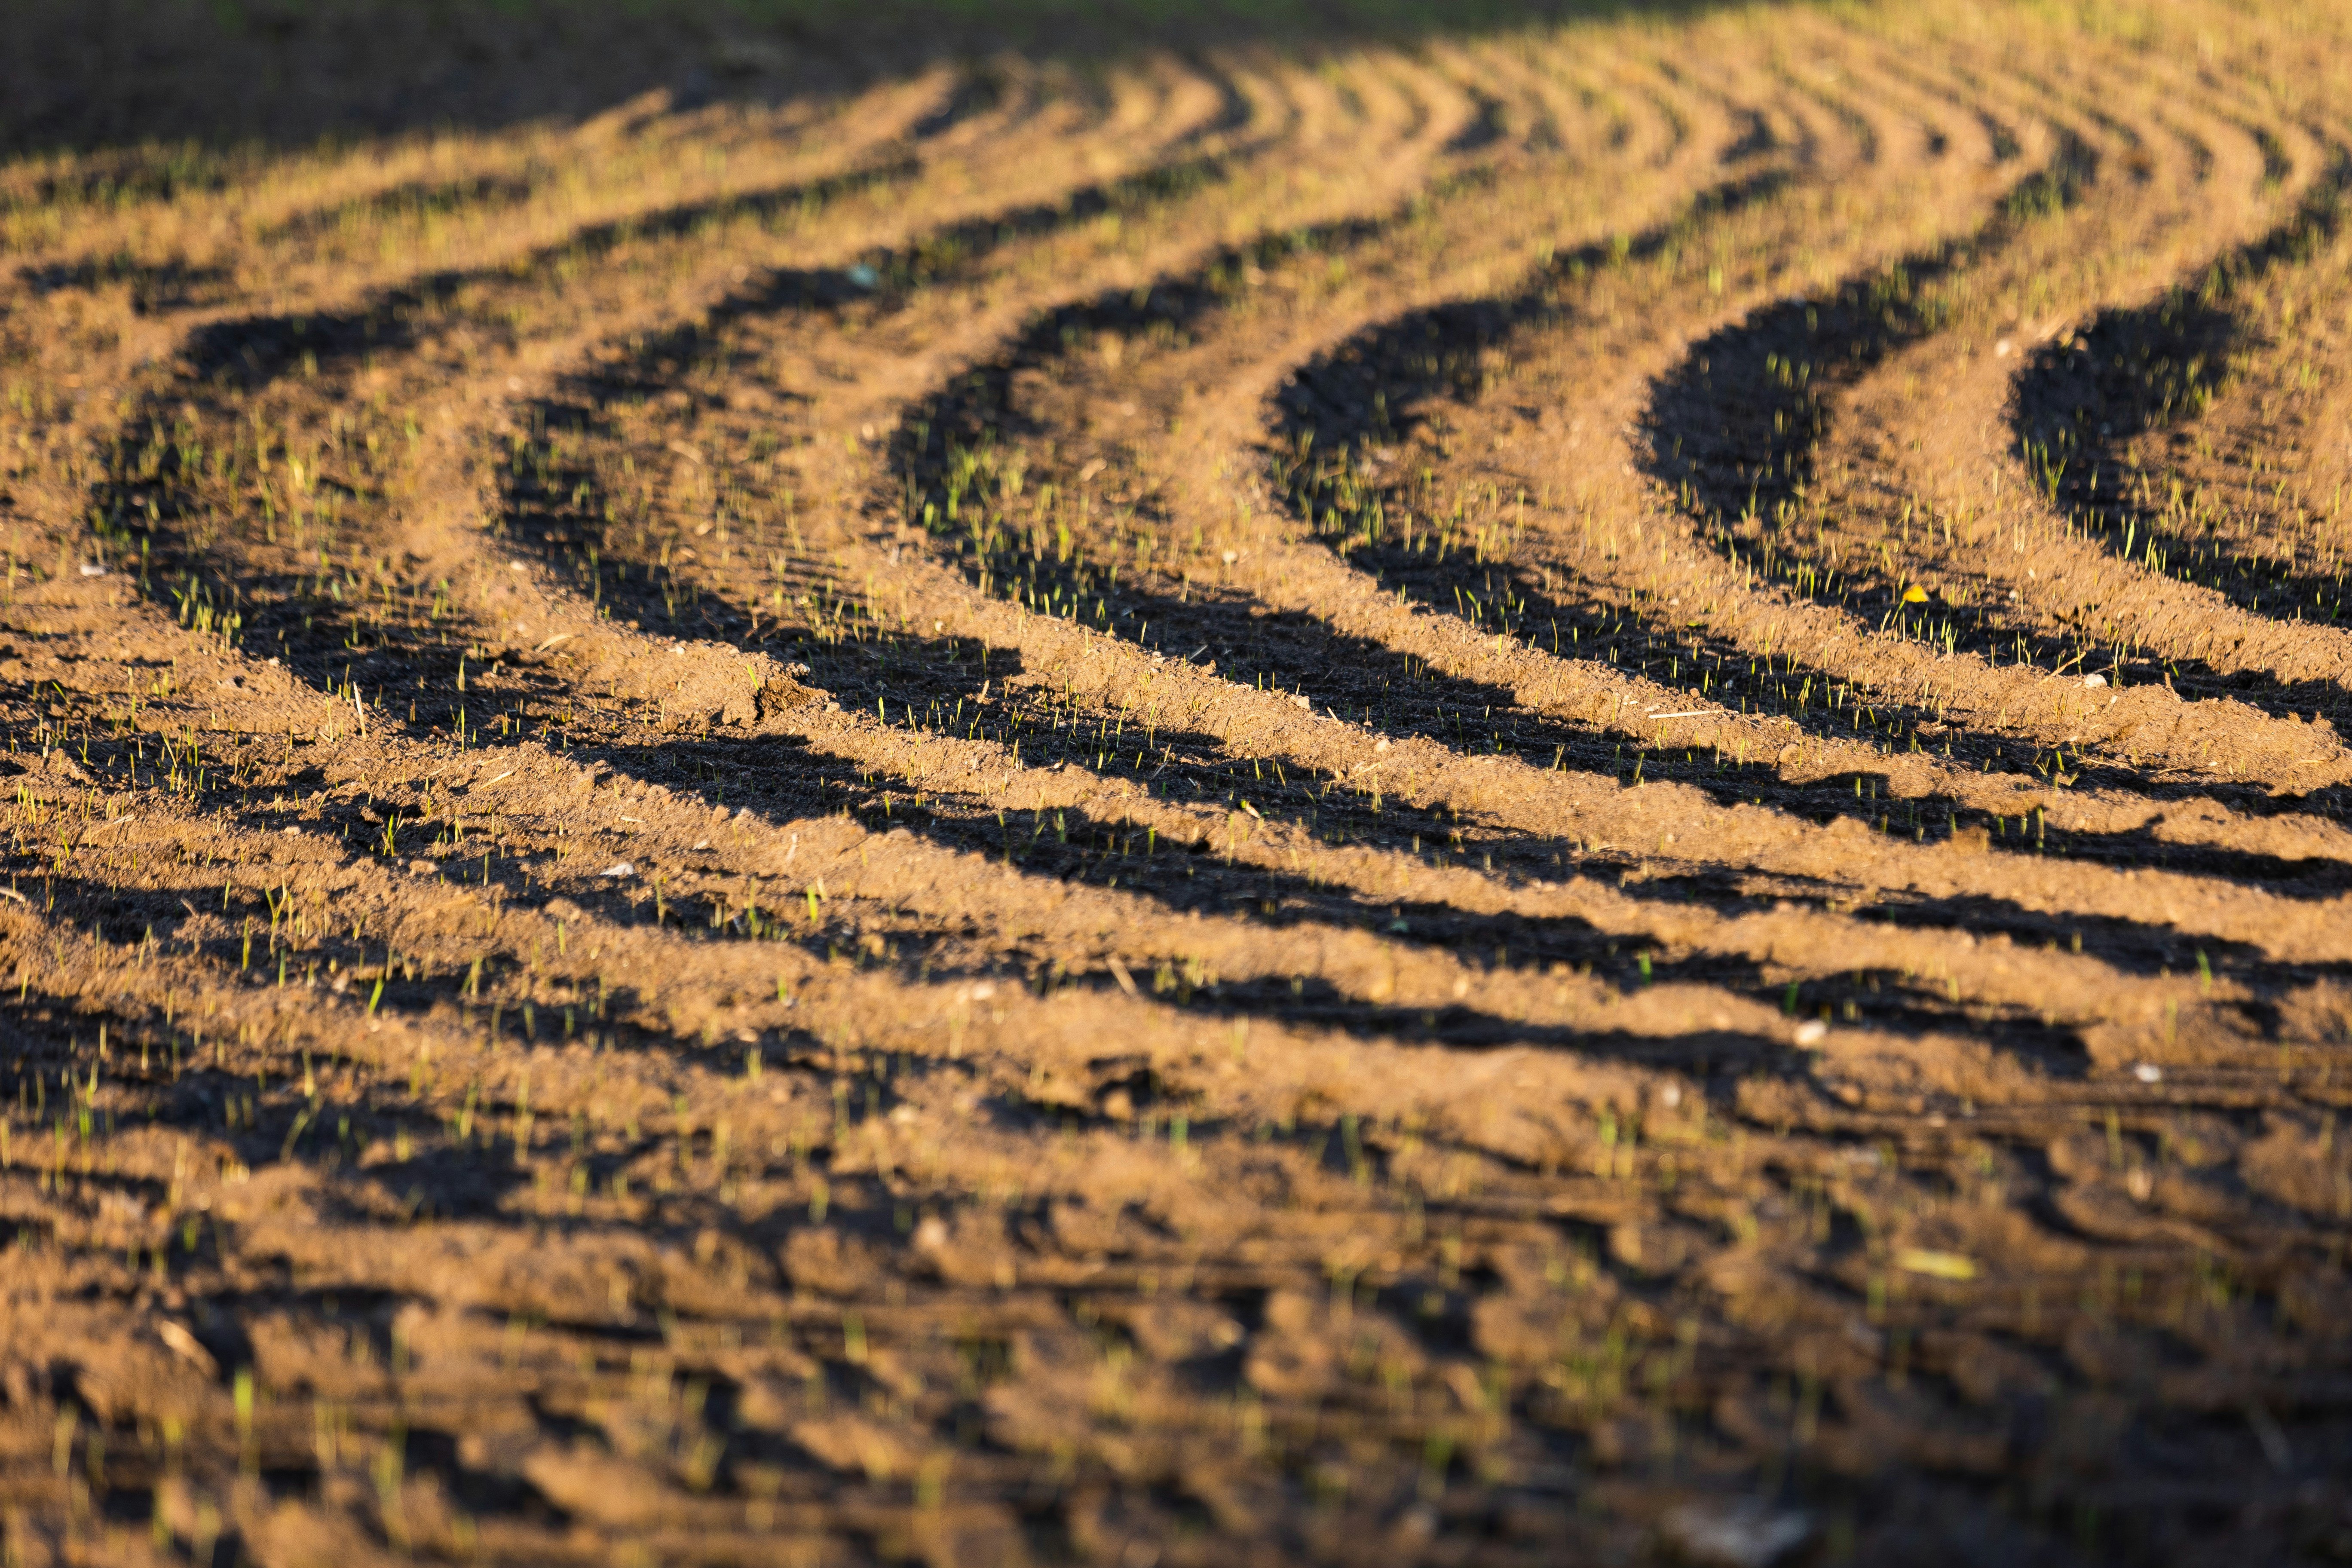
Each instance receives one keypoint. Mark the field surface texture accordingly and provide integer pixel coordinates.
(1112, 786)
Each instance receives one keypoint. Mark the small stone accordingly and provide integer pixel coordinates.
(1735, 1533)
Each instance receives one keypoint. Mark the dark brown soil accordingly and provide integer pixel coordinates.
(1562, 793)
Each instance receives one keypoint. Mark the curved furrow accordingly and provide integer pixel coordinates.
(1053, 334)
(894, 885)
(2012, 807)
(1515, 384)
(1184, 324)
(354, 495)
(1521, 449)
(153, 472)
(2261, 470)
(2240, 172)
(1523, 97)
(587, 1154)
(2268, 663)
(1277, 865)
(2000, 801)
(460, 210)
(1281, 860)
(915, 604)
(493, 293)
(1002, 100)
(436, 945)
(1862, 521)
(375, 220)
(1016, 867)
(924, 906)
(918, 329)
(1238, 262)
(483, 769)
(723, 542)
(952, 768)
(1794, 404)
(1818, 653)
(488, 692)
(434, 951)
(1579, 108)
(1804, 636)
(204, 616)
(2003, 801)
(709, 168)
(421, 958)
(1655, 121)
(911, 908)
(2138, 423)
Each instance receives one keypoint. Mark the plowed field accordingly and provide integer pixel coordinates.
(1559, 791)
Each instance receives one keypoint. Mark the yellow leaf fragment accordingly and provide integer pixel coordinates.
(1939, 1265)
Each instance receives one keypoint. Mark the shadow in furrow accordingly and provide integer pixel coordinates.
(551, 502)
(1068, 844)
(1381, 382)
(156, 287)
(247, 353)
(977, 91)
(881, 281)
(1736, 428)
(242, 535)
(966, 482)
(410, 201)
(1488, 128)
(401, 640)
(2093, 407)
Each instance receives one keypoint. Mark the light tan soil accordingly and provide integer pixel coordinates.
(1316, 797)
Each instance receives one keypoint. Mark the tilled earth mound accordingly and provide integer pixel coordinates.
(1563, 795)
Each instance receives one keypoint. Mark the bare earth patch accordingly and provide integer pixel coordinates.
(1564, 792)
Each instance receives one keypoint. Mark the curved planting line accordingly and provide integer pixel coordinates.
(2097, 409)
(1071, 1103)
(248, 353)
(341, 608)
(203, 449)
(1737, 429)
(1358, 400)
(956, 458)
(1966, 613)
(1349, 420)
(565, 507)
(1740, 430)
